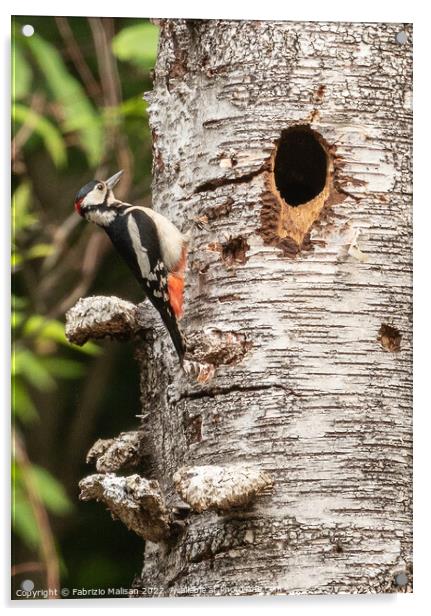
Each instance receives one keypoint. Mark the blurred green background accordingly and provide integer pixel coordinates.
(78, 113)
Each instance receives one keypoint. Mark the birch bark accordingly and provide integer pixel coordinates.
(321, 397)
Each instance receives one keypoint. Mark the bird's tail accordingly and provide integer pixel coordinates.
(175, 333)
(202, 372)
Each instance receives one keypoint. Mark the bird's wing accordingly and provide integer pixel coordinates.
(172, 249)
(135, 236)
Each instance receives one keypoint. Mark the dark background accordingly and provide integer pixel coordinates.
(78, 113)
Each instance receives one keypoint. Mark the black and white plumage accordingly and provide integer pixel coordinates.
(153, 248)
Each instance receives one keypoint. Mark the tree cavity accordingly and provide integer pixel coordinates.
(301, 165)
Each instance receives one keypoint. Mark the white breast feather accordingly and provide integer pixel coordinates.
(101, 218)
(171, 239)
(140, 251)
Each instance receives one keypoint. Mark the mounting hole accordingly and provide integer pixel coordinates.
(401, 579)
(27, 30)
(27, 585)
(301, 165)
(401, 37)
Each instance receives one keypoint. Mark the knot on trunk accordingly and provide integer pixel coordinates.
(97, 317)
(93, 318)
(217, 347)
(136, 501)
(220, 487)
(119, 453)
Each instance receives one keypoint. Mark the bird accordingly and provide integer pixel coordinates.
(150, 244)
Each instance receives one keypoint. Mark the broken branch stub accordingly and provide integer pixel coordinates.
(100, 317)
(220, 487)
(114, 454)
(94, 318)
(136, 501)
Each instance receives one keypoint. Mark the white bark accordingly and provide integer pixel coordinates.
(319, 297)
(318, 400)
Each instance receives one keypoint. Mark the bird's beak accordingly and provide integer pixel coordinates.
(114, 179)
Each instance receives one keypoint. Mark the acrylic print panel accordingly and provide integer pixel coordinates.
(262, 445)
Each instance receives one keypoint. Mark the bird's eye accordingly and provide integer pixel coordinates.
(100, 187)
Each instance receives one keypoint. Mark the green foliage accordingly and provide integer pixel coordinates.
(79, 114)
(134, 107)
(23, 521)
(22, 405)
(55, 118)
(21, 74)
(42, 328)
(40, 371)
(31, 368)
(76, 112)
(43, 127)
(49, 491)
(137, 44)
(23, 218)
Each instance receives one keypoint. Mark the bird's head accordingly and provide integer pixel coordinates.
(96, 194)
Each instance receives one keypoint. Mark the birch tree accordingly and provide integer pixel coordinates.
(284, 149)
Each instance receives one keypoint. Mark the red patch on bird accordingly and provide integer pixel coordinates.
(176, 285)
(176, 294)
(78, 206)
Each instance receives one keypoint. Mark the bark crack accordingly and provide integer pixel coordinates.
(224, 391)
(224, 181)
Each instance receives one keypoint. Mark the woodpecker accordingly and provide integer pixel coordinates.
(153, 248)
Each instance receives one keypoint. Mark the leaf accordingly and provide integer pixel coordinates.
(19, 302)
(63, 368)
(51, 329)
(137, 44)
(16, 259)
(39, 251)
(21, 73)
(39, 326)
(22, 405)
(29, 366)
(22, 217)
(17, 317)
(135, 106)
(79, 114)
(89, 348)
(23, 520)
(49, 134)
(51, 492)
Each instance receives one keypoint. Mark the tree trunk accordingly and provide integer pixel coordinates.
(286, 149)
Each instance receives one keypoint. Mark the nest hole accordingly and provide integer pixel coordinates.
(301, 165)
